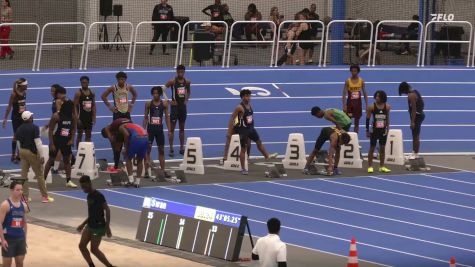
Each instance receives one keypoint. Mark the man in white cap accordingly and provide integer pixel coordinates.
(31, 154)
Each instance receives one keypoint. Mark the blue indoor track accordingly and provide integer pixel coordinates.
(411, 220)
(449, 95)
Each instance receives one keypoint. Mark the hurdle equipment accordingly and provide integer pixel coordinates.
(417, 164)
(233, 162)
(394, 151)
(86, 161)
(350, 156)
(193, 158)
(295, 152)
(353, 255)
(31, 174)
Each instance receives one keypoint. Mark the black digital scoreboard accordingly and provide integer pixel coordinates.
(191, 228)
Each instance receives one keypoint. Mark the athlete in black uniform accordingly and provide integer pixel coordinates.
(181, 92)
(162, 12)
(416, 112)
(85, 105)
(215, 12)
(246, 128)
(16, 104)
(59, 96)
(62, 139)
(380, 113)
(153, 122)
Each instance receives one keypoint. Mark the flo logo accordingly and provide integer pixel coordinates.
(442, 17)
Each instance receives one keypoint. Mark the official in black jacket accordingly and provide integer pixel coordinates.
(161, 12)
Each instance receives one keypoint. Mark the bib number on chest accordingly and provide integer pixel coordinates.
(21, 109)
(355, 95)
(64, 132)
(87, 105)
(163, 17)
(181, 91)
(249, 119)
(156, 120)
(17, 223)
(123, 100)
(216, 14)
(380, 124)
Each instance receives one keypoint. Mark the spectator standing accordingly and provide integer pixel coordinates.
(312, 15)
(31, 155)
(227, 17)
(6, 16)
(215, 11)
(412, 33)
(270, 251)
(253, 28)
(162, 12)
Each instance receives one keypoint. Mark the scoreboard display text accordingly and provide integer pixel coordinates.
(195, 229)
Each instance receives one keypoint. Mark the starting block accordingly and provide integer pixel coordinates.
(103, 165)
(85, 161)
(317, 170)
(417, 164)
(276, 171)
(295, 153)
(121, 179)
(31, 174)
(233, 162)
(322, 156)
(193, 158)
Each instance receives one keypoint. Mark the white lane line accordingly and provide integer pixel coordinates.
(423, 186)
(346, 210)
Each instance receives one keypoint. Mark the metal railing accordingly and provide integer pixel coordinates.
(89, 43)
(35, 44)
(177, 42)
(429, 41)
(225, 41)
(347, 40)
(321, 40)
(419, 40)
(42, 43)
(254, 41)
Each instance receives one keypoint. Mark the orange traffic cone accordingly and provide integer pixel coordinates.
(452, 262)
(353, 255)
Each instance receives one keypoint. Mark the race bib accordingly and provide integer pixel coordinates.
(249, 119)
(21, 109)
(64, 132)
(380, 124)
(216, 14)
(163, 17)
(17, 223)
(123, 100)
(156, 120)
(355, 95)
(87, 105)
(181, 91)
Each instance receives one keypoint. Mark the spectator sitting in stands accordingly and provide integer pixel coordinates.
(364, 52)
(304, 33)
(312, 15)
(217, 29)
(412, 33)
(216, 11)
(227, 17)
(253, 28)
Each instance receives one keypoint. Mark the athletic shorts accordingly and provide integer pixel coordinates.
(16, 122)
(354, 108)
(178, 113)
(417, 129)
(138, 146)
(157, 136)
(247, 133)
(61, 145)
(16, 247)
(118, 115)
(378, 135)
(85, 124)
(97, 231)
(324, 136)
